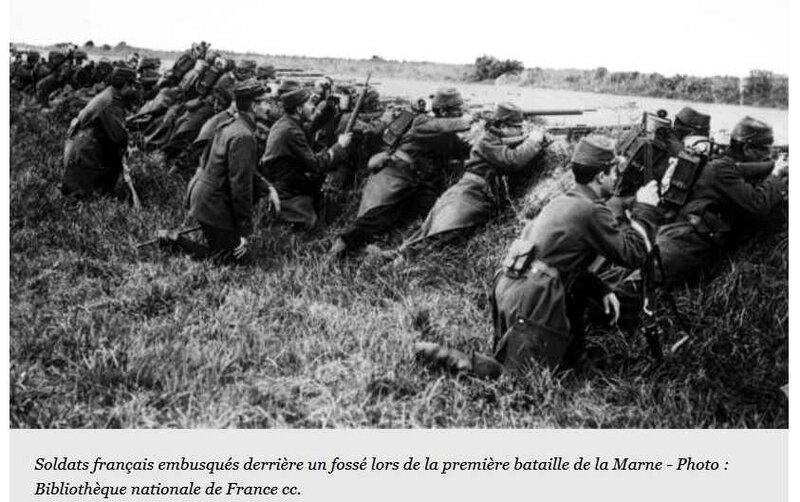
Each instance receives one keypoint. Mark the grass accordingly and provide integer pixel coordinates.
(103, 336)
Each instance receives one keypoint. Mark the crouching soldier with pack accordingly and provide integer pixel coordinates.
(97, 139)
(542, 289)
(409, 176)
(719, 203)
(221, 194)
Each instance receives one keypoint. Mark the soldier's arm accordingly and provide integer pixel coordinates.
(430, 126)
(620, 243)
(758, 199)
(241, 169)
(508, 158)
(315, 162)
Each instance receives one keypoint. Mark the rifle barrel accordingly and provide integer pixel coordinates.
(574, 111)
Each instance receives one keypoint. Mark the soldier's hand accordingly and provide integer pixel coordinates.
(536, 135)
(611, 307)
(781, 166)
(648, 194)
(345, 139)
(274, 200)
(240, 250)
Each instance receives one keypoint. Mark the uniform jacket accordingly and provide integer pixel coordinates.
(721, 193)
(289, 160)
(221, 193)
(430, 139)
(491, 156)
(573, 229)
(96, 142)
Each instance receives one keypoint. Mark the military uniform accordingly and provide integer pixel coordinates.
(411, 176)
(294, 169)
(720, 199)
(540, 292)
(96, 142)
(221, 192)
(475, 198)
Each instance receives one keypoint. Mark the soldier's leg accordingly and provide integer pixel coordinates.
(221, 244)
(384, 203)
(686, 255)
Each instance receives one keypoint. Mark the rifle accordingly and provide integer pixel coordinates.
(158, 237)
(578, 131)
(650, 323)
(126, 174)
(554, 112)
(351, 121)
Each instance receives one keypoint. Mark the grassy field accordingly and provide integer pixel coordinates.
(103, 336)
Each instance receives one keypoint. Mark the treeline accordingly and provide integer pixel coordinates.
(759, 88)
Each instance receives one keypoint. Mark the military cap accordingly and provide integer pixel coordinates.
(250, 89)
(689, 118)
(508, 113)
(287, 86)
(753, 132)
(447, 97)
(595, 151)
(295, 98)
(122, 75)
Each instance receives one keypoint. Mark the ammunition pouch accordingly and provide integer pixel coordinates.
(519, 259)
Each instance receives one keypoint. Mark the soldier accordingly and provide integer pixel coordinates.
(50, 80)
(501, 150)
(97, 139)
(720, 201)
(292, 166)
(409, 176)
(541, 290)
(221, 192)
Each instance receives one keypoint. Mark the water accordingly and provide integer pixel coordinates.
(611, 109)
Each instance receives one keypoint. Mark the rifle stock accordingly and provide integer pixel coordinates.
(126, 174)
(354, 115)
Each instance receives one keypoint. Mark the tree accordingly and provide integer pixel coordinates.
(89, 44)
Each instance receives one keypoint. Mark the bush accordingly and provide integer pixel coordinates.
(489, 67)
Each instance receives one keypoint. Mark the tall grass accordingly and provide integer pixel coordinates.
(103, 336)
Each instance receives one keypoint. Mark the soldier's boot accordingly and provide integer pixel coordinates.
(486, 366)
(437, 356)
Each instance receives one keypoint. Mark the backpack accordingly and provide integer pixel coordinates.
(182, 66)
(397, 128)
(648, 147)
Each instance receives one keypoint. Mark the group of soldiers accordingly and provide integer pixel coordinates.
(665, 187)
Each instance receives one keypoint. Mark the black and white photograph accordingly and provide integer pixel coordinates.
(416, 215)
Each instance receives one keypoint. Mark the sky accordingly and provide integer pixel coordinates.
(701, 37)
